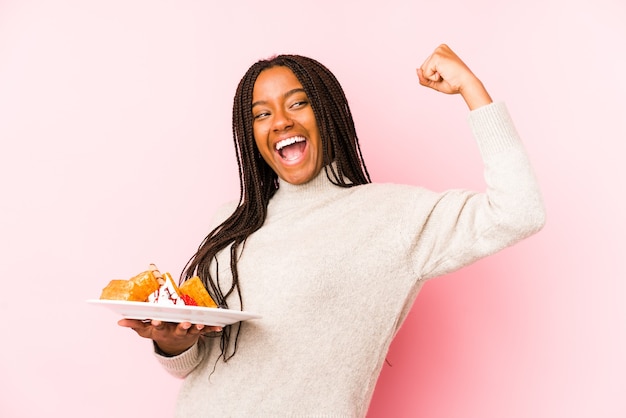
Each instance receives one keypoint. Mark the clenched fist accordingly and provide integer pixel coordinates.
(444, 71)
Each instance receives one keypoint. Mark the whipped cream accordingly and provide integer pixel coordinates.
(167, 294)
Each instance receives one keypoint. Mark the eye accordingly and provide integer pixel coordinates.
(299, 103)
(260, 115)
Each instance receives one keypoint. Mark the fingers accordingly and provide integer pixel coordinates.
(429, 70)
(213, 329)
(165, 330)
(134, 324)
(187, 328)
(428, 81)
(143, 329)
(128, 323)
(429, 74)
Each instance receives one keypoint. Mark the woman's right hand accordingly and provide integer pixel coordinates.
(171, 338)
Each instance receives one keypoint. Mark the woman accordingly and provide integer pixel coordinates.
(332, 261)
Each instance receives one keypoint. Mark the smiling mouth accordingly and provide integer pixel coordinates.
(291, 149)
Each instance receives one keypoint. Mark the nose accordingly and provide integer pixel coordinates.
(281, 121)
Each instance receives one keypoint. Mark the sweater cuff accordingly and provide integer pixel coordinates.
(493, 129)
(181, 364)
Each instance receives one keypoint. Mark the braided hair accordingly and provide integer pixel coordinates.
(258, 182)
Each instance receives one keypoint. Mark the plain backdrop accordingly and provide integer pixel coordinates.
(116, 149)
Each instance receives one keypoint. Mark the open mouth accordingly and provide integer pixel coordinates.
(291, 149)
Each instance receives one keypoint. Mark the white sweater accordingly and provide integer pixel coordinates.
(334, 272)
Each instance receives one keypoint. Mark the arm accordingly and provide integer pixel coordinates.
(464, 226)
(467, 225)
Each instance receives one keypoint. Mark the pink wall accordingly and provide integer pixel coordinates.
(115, 145)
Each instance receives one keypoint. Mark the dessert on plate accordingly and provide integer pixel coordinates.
(153, 287)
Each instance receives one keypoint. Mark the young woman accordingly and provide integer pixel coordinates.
(332, 261)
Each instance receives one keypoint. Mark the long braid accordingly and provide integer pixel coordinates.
(258, 182)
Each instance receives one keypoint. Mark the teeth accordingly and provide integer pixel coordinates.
(286, 142)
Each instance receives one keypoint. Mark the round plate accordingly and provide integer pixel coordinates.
(173, 313)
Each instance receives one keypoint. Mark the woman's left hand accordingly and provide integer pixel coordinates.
(171, 338)
(444, 71)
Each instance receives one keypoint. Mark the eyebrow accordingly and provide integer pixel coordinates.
(287, 94)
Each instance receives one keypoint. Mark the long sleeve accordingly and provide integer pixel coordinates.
(183, 364)
(464, 226)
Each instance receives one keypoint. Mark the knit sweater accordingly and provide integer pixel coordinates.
(334, 272)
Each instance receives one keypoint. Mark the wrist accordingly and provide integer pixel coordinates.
(475, 94)
(168, 351)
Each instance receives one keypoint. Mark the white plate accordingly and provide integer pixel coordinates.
(173, 313)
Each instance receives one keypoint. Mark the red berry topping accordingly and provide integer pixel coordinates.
(188, 300)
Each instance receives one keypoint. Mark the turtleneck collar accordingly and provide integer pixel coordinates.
(319, 184)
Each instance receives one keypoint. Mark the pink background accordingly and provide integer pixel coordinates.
(116, 149)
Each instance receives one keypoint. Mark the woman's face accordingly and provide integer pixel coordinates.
(284, 126)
